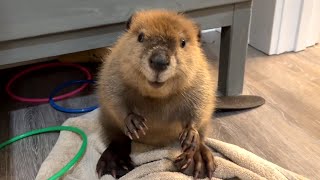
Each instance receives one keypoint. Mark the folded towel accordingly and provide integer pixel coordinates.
(152, 163)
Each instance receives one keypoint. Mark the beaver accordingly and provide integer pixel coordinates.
(155, 88)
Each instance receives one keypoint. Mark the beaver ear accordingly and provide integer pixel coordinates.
(129, 21)
(199, 35)
(199, 32)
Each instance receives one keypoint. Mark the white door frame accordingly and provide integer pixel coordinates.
(280, 26)
(309, 25)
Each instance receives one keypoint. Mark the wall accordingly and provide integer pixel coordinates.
(280, 26)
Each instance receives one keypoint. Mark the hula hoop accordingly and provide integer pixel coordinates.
(43, 66)
(72, 162)
(69, 110)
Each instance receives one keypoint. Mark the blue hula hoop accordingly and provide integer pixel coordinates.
(69, 110)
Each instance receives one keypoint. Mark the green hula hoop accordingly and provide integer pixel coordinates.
(72, 162)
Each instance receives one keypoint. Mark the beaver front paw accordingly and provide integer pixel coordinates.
(135, 125)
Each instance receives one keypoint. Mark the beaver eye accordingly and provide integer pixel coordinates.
(141, 37)
(183, 43)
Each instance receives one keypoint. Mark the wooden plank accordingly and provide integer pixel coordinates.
(4, 153)
(12, 53)
(233, 51)
(23, 19)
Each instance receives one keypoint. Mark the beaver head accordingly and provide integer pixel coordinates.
(161, 52)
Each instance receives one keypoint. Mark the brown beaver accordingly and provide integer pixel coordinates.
(155, 88)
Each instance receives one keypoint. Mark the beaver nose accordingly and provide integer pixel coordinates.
(159, 61)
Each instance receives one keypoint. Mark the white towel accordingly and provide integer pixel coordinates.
(232, 161)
